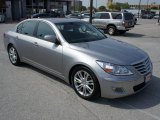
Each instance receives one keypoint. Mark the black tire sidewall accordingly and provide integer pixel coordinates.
(112, 27)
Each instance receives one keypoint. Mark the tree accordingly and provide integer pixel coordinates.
(154, 8)
(118, 6)
(102, 8)
(83, 8)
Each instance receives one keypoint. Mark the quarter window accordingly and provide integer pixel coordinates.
(44, 29)
(28, 28)
(19, 28)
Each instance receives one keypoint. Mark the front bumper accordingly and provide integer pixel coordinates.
(121, 88)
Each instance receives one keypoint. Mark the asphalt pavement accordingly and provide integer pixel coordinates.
(27, 93)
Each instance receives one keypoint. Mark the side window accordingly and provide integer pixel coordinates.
(44, 29)
(105, 16)
(28, 27)
(97, 15)
(119, 16)
(19, 28)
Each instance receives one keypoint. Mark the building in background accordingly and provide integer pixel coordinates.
(144, 6)
(17, 9)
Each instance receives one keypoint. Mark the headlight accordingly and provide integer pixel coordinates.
(114, 69)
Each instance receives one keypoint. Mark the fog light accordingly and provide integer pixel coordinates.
(118, 90)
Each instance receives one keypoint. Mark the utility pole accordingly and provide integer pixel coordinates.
(147, 4)
(74, 5)
(159, 16)
(139, 8)
(91, 9)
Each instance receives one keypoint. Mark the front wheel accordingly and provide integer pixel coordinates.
(13, 55)
(85, 83)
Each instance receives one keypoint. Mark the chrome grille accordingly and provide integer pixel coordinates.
(143, 67)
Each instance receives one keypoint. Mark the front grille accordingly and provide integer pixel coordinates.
(138, 87)
(143, 67)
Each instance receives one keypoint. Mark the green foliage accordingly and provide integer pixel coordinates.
(102, 8)
(154, 8)
(118, 6)
(83, 8)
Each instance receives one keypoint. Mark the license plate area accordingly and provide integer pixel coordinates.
(148, 77)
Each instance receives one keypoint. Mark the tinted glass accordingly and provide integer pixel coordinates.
(105, 16)
(116, 15)
(28, 27)
(19, 28)
(97, 15)
(75, 32)
(128, 16)
(44, 29)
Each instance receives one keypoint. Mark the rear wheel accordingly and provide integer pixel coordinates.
(13, 55)
(111, 30)
(85, 83)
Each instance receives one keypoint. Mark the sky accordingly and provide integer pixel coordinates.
(103, 2)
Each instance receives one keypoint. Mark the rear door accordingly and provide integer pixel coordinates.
(25, 38)
(101, 20)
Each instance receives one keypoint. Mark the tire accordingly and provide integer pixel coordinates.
(13, 55)
(85, 83)
(111, 30)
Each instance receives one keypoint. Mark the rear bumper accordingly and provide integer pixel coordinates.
(124, 28)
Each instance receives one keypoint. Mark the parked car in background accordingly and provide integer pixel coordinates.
(81, 55)
(74, 15)
(45, 15)
(113, 22)
(2, 17)
(156, 16)
(77, 15)
(147, 16)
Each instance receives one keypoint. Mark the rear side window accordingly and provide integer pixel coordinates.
(28, 27)
(128, 16)
(105, 16)
(116, 15)
(44, 29)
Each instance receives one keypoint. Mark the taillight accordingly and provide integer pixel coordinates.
(123, 23)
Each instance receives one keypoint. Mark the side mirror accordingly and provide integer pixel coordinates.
(51, 38)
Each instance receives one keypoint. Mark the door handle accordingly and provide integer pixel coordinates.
(35, 44)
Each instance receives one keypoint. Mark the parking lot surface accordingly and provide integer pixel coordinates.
(27, 93)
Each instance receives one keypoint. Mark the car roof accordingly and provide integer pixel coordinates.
(109, 12)
(58, 20)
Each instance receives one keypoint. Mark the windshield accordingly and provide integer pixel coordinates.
(75, 32)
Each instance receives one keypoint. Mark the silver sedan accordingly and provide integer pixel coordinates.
(81, 55)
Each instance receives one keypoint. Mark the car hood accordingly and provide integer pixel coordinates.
(112, 51)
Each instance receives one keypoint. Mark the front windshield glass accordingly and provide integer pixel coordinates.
(75, 32)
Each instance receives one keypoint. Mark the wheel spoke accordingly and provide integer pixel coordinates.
(89, 89)
(90, 82)
(80, 75)
(84, 90)
(86, 75)
(77, 80)
(79, 87)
